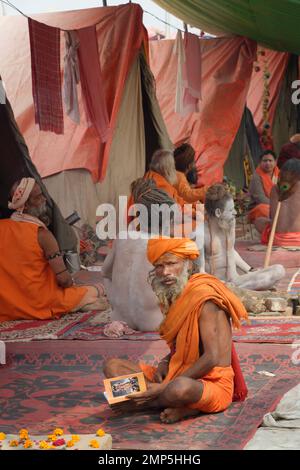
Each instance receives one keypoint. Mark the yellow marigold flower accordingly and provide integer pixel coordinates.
(52, 437)
(2, 436)
(58, 432)
(23, 433)
(45, 445)
(14, 443)
(100, 433)
(70, 443)
(94, 443)
(75, 438)
(28, 443)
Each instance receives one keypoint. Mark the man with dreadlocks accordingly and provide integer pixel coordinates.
(184, 157)
(126, 267)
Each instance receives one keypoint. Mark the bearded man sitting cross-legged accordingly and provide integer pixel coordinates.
(201, 373)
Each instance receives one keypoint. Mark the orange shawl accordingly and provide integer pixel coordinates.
(162, 183)
(181, 323)
(186, 192)
(267, 181)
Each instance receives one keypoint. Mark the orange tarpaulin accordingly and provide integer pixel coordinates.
(120, 35)
(226, 73)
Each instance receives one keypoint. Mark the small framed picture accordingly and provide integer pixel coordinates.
(117, 388)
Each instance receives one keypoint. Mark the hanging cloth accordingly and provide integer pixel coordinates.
(188, 84)
(71, 76)
(46, 78)
(179, 51)
(92, 81)
(192, 72)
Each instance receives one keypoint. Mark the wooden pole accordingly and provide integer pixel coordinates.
(272, 234)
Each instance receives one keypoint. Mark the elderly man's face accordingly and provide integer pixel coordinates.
(169, 278)
(36, 204)
(168, 268)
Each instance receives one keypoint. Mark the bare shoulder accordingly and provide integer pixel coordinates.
(46, 239)
(210, 307)
(211, 310)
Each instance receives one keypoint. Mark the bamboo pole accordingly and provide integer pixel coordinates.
(272, 234)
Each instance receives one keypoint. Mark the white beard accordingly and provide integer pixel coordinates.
(167, 295)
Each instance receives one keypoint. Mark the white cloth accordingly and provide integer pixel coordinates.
(71, 76)
(188, 83)
(2, 353)
(281, 428)
(20, 217)
(179, 51)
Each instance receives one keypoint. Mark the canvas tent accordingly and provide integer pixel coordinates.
(15, 164)
(79, 171)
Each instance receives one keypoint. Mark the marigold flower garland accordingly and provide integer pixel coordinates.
(53, 441)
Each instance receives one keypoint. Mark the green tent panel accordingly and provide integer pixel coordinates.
(273, 23)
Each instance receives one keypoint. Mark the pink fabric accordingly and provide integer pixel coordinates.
(192, 72)
(46, 79)
(226, 72)
(277, 63)
(92, 81)
(120, 35)
(116, 329)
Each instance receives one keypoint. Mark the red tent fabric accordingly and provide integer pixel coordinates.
(120, 34)
(276, 64)
(226, 74)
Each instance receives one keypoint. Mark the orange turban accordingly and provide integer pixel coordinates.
(182, 247)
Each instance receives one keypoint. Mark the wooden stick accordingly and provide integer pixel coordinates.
(272, 234)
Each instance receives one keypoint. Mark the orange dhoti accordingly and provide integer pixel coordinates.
(218, 387)
(280, 238)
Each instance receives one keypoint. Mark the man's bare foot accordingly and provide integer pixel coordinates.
(172, 415)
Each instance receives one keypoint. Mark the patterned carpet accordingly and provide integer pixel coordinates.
(29, 330)
(283, 330)
(50, 384)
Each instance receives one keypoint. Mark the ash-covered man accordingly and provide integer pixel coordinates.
(35, 283)
(201, 373)
(221, 258)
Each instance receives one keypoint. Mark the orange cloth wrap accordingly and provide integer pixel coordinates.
(261, 210)
(267, 181)
(181, 247)
(28, 285)
(280, 238)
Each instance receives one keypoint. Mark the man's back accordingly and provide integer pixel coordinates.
(126, 270)
(28, 284)
(289, 219)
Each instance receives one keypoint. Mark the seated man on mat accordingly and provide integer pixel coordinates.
(261, 184)
(35, 283)
(221, 258)
(201, 373)
(288, 226)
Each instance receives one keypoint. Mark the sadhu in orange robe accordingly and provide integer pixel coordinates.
(28, 285)
(162, 183)
(262, 210)
(221, 385)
